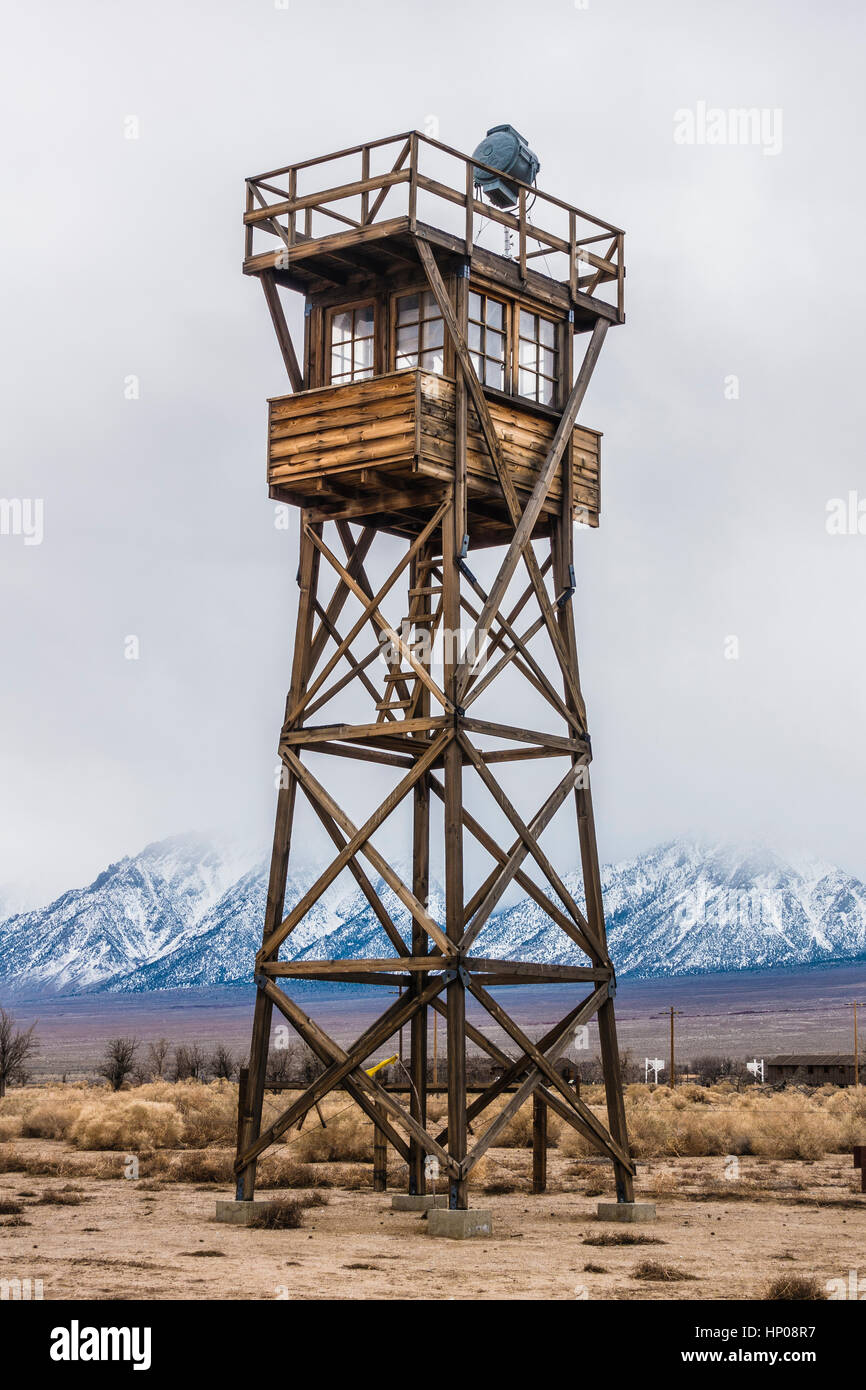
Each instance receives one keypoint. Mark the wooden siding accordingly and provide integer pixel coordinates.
(401, 427)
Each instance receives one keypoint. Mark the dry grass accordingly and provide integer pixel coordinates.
(286, 1215)
(794, 1288)
(698, 1121)
(659, 1273)
(622, 1238)
(691, 1121)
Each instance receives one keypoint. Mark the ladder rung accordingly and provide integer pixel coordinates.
(394, 704)
(394, 677)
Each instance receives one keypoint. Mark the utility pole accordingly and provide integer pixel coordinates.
(675, 1013)
(855, 1004)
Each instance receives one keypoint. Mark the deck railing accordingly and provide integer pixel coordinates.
(412, 176)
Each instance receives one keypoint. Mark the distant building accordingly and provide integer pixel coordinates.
(812, 1068)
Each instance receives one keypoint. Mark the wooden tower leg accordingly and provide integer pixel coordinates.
(539, 1143)
(563, 558)
(420, 578)
(454, 909)
(606, 1017)
(250, 1121)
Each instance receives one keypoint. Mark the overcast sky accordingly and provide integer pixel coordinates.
(122, 257)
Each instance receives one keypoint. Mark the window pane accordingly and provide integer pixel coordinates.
(546, 332)
(341, 360)
(474, 305)
(407, 339)
(527, 383)
(547, 361)
(341, 330)
(364, 321)
(363, 354)
(495, 345)
(476, 362)
(434, 333)
(494, 376)
(527, 325)
(494, 313)
(474, 337)
(433, 361)
(546, 391)
(527, 354)
(429, 306)
(407, 308)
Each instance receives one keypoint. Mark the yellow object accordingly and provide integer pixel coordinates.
(371, 1071)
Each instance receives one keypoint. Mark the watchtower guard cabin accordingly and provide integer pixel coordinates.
(432, 414)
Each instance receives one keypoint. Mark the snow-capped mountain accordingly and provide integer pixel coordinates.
(186, 913)
(134, 912)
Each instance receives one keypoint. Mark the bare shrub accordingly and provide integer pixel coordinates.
(17, 1046)
(222, 1063)
(190, 1063)
(659, 1273)
(285, 1215)
(118, 1061)
(623, 1238)
(793, 1288)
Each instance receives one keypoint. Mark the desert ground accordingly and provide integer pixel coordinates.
(120, 1203)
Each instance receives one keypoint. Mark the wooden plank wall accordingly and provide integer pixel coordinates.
(405, 422)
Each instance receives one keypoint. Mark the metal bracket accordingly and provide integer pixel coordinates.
(463, 271)
(567, 594)
(461, 561)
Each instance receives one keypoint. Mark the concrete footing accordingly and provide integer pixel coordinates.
(461, 1224)
(405, 1201)
(240, 1213)
(628, 1212)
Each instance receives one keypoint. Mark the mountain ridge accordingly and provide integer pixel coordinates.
(187, 912)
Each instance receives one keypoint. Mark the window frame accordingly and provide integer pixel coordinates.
(555, 377)
(405, 292)
(506, 332)
(343, 379)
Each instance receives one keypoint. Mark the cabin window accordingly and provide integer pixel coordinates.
(352, 343)
(487, 339)
(536, 358)
(420, 333)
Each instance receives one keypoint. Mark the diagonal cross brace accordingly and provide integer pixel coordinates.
(509, 492)
(357, 842)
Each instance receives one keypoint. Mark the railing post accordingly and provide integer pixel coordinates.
(413, 181)
(365, 174)
(470, 207)
(248, 230)
(521, 232)
(572, 254)
(620, 272)
(293, 193)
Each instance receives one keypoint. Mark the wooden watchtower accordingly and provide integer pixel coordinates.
(434, 400)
